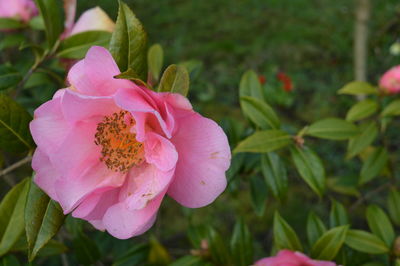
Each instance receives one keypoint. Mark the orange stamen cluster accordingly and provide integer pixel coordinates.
(120, 150)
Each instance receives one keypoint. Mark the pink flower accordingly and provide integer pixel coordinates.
(19, 9)
(390, 81)
(109, 150)
(290, 258)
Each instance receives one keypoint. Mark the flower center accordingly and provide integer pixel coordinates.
(119, 148)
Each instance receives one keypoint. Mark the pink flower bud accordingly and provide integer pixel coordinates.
(288, 257)
(390, 81)
(19, 9)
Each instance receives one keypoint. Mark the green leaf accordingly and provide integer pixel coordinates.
(361, 110)
(357, 88)
(393, 109)
(218, 248)
(369, 131)
(284, 236)
(190, 261)
(393, 203)
(14, 126)
(365, 242)
(9, 260)
(43, 219)
(129, 42)
(76, 46)
(258, 190)
(11, 40)
(52, 248)
(250, 85)
(137, 255)
(12, 216)
(259, 112)
(338, 215)
(53, 17)
(155, 58)
(264, 141)
(9, 77)
(310, 168)
(175, 79)
(379, 224)
(242, 244)
(85, 249)
(341, 186)
(275, 174)
(374, 164)
(10, 24)
(315, 228)
(329, 244)
(158, 255)
(332, 128)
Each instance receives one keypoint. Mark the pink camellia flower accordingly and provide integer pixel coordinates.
(290, 258)
(390, 81)
(19, 9)
(109, 150)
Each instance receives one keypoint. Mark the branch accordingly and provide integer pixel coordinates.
(15, 165)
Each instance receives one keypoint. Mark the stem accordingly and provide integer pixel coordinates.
(369, 195)
(16, 165)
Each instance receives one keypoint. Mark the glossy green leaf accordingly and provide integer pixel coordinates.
(53, 16)
(338, 214)
(9, 77)
(365, 242)
(175, 79)
(329, 244)
(310, 168)
(332, 128)
(369, 131)
(373, 165)
(339, 185)
(258, 191)
(43, 219)
(284, 236)
(242, 244)
(264, 141)
(155, 58)
(128, 43)
(315, 228)
(137, 255)
(361, 110)
(14, 126)
(259, 112)
(10, 24)
(392, 109)
(357, 88)
(393, 203)
(76, 46)
(250, 85)
(86, 249)
(52, 248)
(380, 224)
(12, 216)
(275, 174)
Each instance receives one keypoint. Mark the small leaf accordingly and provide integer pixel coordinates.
(284, 236)
(10, 24)
(259, 112)
(329, 244)
(190, 261)
(128, 43)
(175, 79)
(158, 255)
(275, 174)
(393, 203)
(357, 88)
(361, 110)
(218, 248)
(52, 14)
(338, 215)
(393, 109)
(85, 249)
(52, 248)
(250, 85)
(14, 126)
(315, 228)
(374, 164)
(264, 141)
(12, 216)
(365, 242)
(258, 190)
(11, 40)
(132, 76)
(332, 128)
(9, 77)
(155, 58)
(369, 131)
(310, 168)
(242, 244)
(76, 46)
(379, 224)
(137, 255)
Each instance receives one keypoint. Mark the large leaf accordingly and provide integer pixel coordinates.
(76, 46)
(275, 174)
(365, 242)
(356, 145)
(9, 77)
(43, 219)
(393, 203)
(338, 215)
(374, 164)
(155, 58)
(264, 141)
(259, 194)
(53, 17)
(259, 112)
(315, 228)
(14, 126)
(250, 85)
(242, 244)
(284, 236)
(332, 128)
(175, 79)
(357, 88)
(329, 244)
(129, 42)
(392, 109)
(362, 110)
(12, 216)
(380, 225)
(310, 168)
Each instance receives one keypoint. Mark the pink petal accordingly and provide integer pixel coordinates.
(93, 19)
(70, 10)
(46, 174)
(204, 156)
(160, 152)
